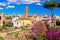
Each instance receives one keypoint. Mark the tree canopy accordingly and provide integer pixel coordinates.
(51, 5)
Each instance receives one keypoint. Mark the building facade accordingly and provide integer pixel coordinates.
(15, 21)
(25, 22)
(45, 18)
(2, 19)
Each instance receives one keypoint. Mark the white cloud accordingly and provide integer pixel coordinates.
(43, 1)
(48, 0)
(8, 2)
(38, 3)
(22, 1)
(25, 1)
(1, 8)
(13, 1)
(10, 6)
(30, 1)
(2, 4)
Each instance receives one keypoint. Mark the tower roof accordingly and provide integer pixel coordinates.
(26, 6)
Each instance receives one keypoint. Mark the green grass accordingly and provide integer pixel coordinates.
(40, 38)
(15, 33)
(22, 29)
(1, 38)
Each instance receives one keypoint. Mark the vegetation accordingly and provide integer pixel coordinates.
(8, 24)
(9, 17)
(22, 28)
(39, 28)
(39, 31)
(1, 38)
(58, 4)
(40, 38)
(1, 27)
(15, 33)
(47, 25)
(50, 5)
(53, 33)
(58, 23)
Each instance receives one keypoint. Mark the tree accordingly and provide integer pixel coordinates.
(9, 17)
(58, 4)
(57, 22)
(8, 24)
(50, 5)
(39, 28)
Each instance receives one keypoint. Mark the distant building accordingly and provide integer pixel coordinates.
(2, 19)
(58, 18)
(15, 21)
(51, 20)
(38, 18)
(45, 18)
(26, 12)
(25, 22)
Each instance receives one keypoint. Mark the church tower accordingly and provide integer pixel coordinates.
(26, 11)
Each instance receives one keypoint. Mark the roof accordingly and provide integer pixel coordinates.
(25, 18)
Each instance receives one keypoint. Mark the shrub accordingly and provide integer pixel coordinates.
(1, 38)
(39, 28)
(8, 24)
(53, 33)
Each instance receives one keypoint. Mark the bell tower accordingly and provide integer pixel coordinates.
(26, 11)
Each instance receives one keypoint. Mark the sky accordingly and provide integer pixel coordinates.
(10, 7)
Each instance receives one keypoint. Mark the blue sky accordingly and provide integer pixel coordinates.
(18, 7)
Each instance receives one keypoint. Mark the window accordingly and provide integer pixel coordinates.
(17, 23)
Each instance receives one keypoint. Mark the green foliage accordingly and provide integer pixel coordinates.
(58, 4)
(8, 24)
(5, 28)
(50, 5)
(47, 25)
(1, 38)
(40, 38)
(9, 17)
(58, 27)
(58, 23)
(1, 27)
(22, 28)
(15, 33)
